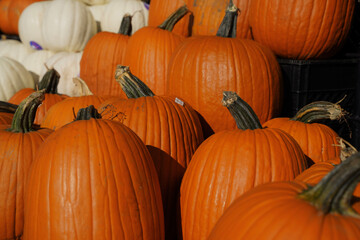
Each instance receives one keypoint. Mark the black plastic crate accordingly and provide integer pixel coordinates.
(306, 81)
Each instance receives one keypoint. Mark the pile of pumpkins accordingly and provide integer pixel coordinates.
(124, 119)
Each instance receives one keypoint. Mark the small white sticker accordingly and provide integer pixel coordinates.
(178, 101)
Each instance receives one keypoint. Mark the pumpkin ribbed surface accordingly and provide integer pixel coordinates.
(301, 29)
(295, 219)
(101, 55)
(202, 67)
(148, 55)
(228, 164)
(64, 112)
(17, 152)
(171, 132)
(318, 141)
(93, 179)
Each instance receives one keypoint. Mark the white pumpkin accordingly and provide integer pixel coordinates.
(67, 26)
(13, 77)
(30, 22)
(14, 49)
(35, 61)
(68, 66)
(94, 2)
(97, 12)
(115, 11)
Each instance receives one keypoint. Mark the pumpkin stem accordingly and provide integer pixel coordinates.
(82, 87)
(243, 114)
(130, 84)
(87, 113)
(50, 81)
(25, 113)
(335, 191)
(126, 26)
(228, 25)
(319, 110)
(170, 22)
(7, 107)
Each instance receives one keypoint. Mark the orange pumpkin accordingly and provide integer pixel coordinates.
(101, 55)
(93, 178)
(231, 162)
(49, 82)
(307, 29)
(318, 141)
(291, 210)
(202, 67)
(19, 143)
(149, 51)
(208, 15)
(10, 11)
(169, 127)
(65, 111)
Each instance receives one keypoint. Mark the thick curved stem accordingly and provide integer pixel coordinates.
(126, 26)
(7, 107)
(50, 81)
(170, 22)
(130, 84)
(319, 110)
(243, 114)
(334, 192)
(228, 25)
(25, 113)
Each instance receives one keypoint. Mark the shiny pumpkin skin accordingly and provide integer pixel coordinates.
(208, 15)
(65, 111)
(161, 9)
(93, 179)
(172, 134)
(17, 152)
(318, 141)
(49, 101)
(148, 54)
(228, 164)
(307, 29)
(101, 55)
(202, 67)
(273, 211)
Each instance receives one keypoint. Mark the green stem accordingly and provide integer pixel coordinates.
(50, 81)
(25, 113)
(243, 114)
(126, 26)
(87, 113)
(7, 107)
(228, 25)
(333, 194)
(130, 84)
(319, 110)
(170, 22)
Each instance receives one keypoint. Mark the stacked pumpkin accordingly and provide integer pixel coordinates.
(143, 147)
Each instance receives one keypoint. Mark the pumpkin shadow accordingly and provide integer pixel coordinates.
(207, 130)
(170, 174)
